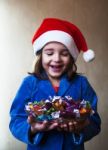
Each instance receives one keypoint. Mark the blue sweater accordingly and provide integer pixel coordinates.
(32, 89)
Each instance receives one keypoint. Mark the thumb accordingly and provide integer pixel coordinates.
(30, 119)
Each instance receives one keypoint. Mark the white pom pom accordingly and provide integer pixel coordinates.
(89, 55)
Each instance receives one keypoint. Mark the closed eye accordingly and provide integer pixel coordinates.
(49, 53)
(65, 53)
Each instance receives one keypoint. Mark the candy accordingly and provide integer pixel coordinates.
(59, 108)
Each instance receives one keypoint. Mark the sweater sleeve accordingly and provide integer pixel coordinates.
(94, 127)
(89, 94)
(18, 122)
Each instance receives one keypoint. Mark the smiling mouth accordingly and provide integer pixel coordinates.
(56, 68)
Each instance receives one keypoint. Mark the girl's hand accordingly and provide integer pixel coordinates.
(73, 126)
(40, 126)
(80, 125)
(66, 126)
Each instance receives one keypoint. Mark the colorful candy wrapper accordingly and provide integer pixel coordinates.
(59, 109)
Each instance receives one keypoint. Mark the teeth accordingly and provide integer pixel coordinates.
(56, 66)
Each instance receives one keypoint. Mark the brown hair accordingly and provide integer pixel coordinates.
(38, 68)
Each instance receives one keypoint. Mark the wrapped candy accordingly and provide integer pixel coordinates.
(59, 108)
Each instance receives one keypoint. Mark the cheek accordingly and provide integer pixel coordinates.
(67, 60)
(44, 61)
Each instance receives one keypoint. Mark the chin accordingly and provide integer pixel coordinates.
(55, 75)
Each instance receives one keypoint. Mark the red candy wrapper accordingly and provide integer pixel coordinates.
(60, 109)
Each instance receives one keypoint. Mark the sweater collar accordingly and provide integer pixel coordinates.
(46, 87)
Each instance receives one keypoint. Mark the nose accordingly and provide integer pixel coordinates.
(57, 58)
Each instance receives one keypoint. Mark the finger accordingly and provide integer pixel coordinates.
(75, 123)
(65, 127)
(52, 126)
(61, 126)
(71, 126)
(30, 119)
(39, 126)
(44, 124)
(76, 126)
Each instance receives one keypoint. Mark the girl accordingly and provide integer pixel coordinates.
(57, 44)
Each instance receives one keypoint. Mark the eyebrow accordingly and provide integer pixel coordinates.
(48, 49)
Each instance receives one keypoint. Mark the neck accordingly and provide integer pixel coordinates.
(55, 81)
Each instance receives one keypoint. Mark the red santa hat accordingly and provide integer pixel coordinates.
(57, 30)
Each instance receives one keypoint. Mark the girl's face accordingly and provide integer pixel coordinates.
(55, 59)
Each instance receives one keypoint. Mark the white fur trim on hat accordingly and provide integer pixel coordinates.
(56, 36)
(89, 55)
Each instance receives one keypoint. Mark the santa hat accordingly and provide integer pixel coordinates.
(56, 30)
